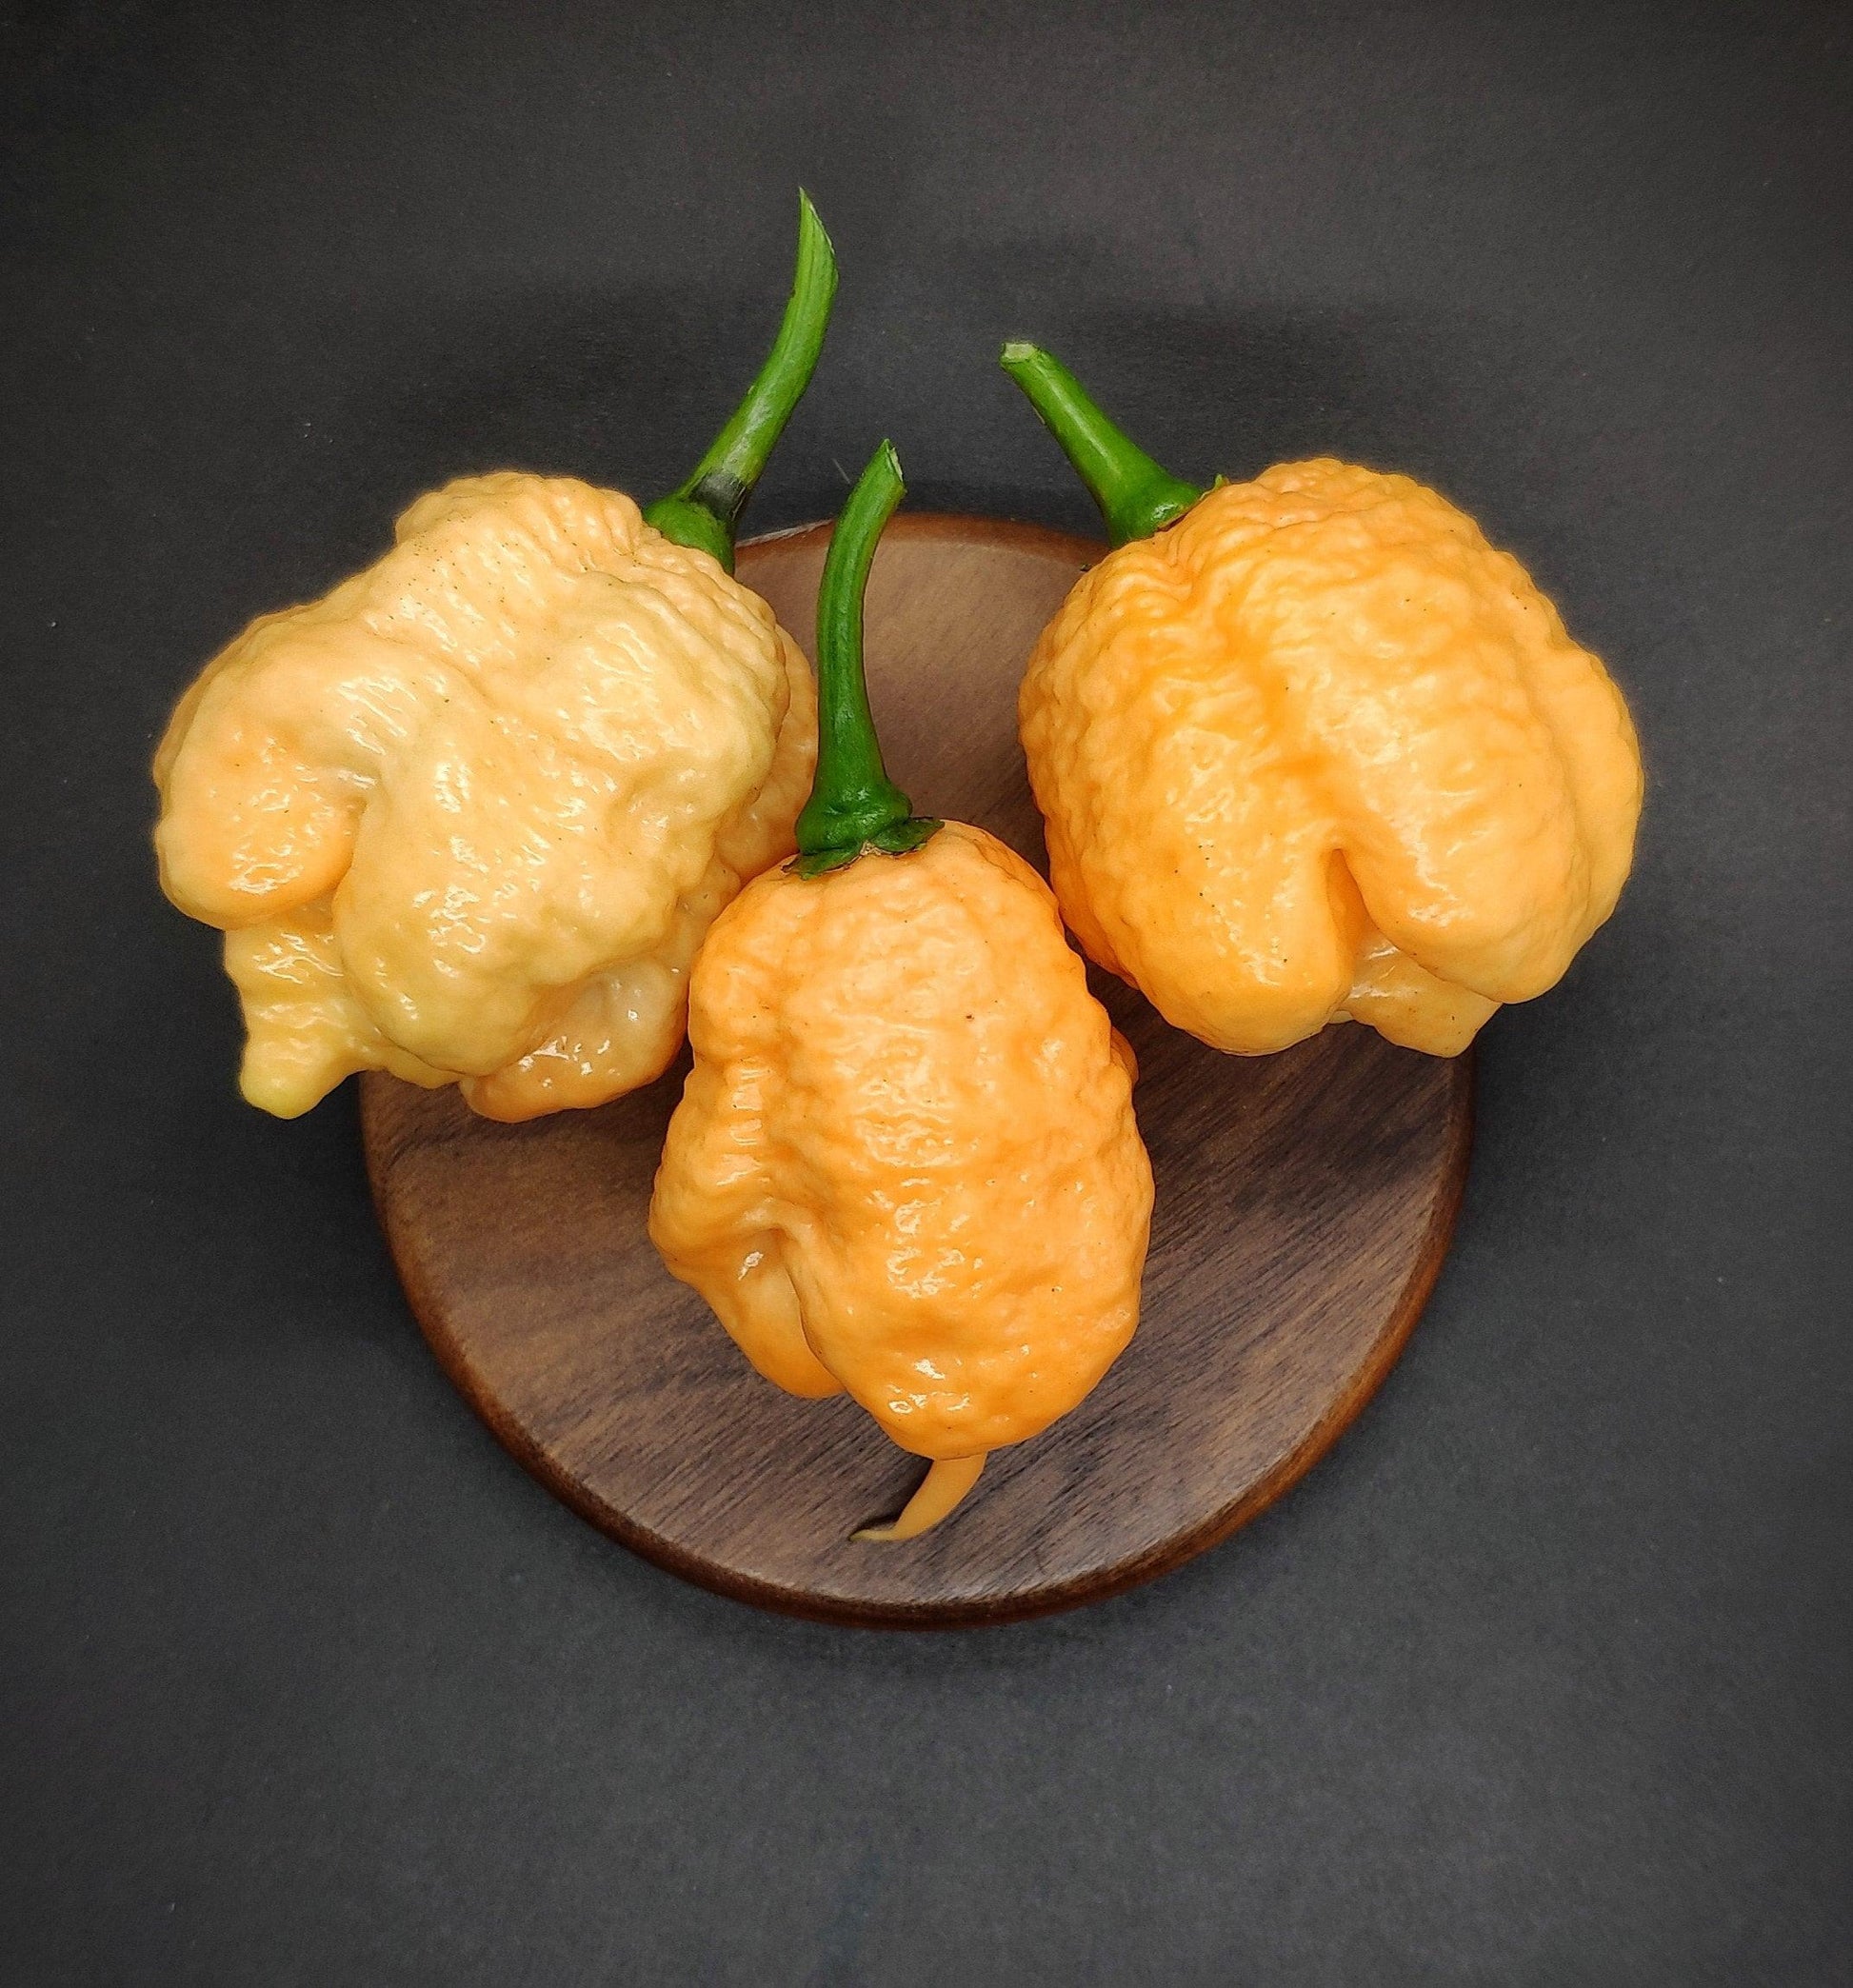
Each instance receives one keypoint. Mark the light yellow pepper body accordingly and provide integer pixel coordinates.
(467, 817)
(905, 1161)
(1317, 750)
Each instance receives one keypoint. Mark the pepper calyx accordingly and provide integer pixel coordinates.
(704, 513)
(690, 522)
(899, 840)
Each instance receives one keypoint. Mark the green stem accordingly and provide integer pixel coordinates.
(705, 511)
(854, 804)
(1136, 496)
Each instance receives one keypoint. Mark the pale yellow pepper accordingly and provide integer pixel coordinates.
(1308, 749)
(467, 817)
(906, 1163)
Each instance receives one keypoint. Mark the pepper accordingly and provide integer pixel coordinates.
(1309, 749)
(467, 817)
(905, 1163)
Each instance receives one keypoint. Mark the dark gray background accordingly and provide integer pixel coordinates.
(1544, 1676)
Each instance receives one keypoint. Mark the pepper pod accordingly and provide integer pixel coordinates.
(906, 1163)
(1309, 749)
(466, 817)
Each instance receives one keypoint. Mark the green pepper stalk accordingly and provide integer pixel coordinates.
(853, 805)
(705, 511)
(1136, 495)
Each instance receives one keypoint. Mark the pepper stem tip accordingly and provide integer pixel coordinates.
(1137, 496)
(704, 511)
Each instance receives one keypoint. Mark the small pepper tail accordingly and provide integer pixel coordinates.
(1136, 495)
(854, 804)
(705, 511)
(940, 1491)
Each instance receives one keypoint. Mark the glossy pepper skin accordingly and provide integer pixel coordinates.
(1309, 748)
(467, 817)
(906, 1163)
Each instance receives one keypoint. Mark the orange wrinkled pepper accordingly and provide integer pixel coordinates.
(905, 1161)
(1308, 750)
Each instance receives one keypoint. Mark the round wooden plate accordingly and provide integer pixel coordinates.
(1304, 1202)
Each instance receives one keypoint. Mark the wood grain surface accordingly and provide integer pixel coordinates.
(1305, 1203)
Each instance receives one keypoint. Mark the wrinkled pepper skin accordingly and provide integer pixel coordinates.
(1317, 750)
(467, 817)
(905, 1161)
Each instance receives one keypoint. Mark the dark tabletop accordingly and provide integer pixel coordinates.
(1544, 1676)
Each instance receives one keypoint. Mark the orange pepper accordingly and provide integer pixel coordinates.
(1309, 749)
(905, 1161)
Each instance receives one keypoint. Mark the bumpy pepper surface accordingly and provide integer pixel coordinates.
(1308, 749)
(905, 1161)
(467, 817)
